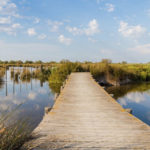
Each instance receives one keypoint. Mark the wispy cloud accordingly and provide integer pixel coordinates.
(36, 20)
(131, 31)
(5, 20)
(142, 49)
(16, 25)
(8, 8)
(31, 32)
(10, 29)
(64, 40)
(8, 14)
(54, 25)
(74, 30)
(110, 7)
(91, 29)
(42, 36)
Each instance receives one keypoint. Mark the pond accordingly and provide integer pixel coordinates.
(24, 98)
(134, 96)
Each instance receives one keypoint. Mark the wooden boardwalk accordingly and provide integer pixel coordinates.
(85, 117)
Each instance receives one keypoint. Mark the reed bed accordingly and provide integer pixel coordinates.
(14, 135)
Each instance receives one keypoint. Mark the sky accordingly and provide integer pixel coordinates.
(78, 30)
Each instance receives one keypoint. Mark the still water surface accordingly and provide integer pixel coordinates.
(32, 96)
(25, 99)
(134, 96)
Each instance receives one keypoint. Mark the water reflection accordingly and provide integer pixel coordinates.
(134, 96)
(28, 94)
(55, 87)
(2, 73)
(1, 83)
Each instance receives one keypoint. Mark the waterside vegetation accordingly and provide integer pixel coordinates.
(14, 134)
(104, 72)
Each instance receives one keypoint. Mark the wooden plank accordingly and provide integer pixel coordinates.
(86, 117)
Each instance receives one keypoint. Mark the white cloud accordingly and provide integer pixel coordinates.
(93, 28)
(110, 7)
(8, 13)
(31, 32)
(142, 49)
(8, 8)
(64, 40)
(10, 29)
(130, 31)
(7, 30)
(16, 25)
(74, 30)
(5, 20)
(42, 36)
(54, 25)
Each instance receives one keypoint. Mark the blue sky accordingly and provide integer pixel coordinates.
(78, 30)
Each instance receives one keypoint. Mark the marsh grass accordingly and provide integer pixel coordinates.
(121, 72)
(25, 74)
(13, 135)
(2, 72)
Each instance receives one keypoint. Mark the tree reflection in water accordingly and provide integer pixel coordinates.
(121, 91)
(135, 97)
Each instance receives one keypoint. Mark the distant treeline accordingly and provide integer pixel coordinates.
(22, 62)
(17, 62)
(104, 72)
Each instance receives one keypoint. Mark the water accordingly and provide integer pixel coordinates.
(134, 96)
(27, 99)
(24, 99)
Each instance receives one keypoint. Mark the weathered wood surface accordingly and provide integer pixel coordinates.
(86, 117)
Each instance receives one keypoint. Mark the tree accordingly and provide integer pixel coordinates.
(124, 62)
(38, 62)
(64, 61)
(19, 62)
(12, 62)
(106, 61)
(28, 62)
